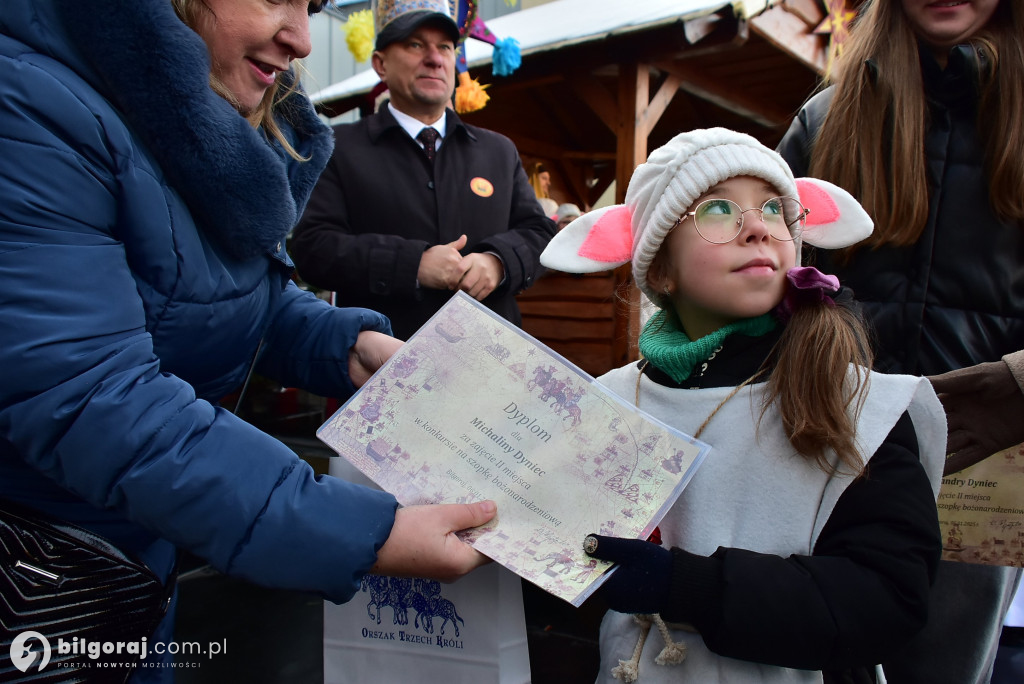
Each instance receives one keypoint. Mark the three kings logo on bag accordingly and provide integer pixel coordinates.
(431, 612)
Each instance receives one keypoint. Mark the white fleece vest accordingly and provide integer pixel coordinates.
(754, 492)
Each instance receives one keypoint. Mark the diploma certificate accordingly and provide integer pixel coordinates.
(981, 513)
(473, 408)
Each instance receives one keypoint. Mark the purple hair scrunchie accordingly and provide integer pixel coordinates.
(807, 285)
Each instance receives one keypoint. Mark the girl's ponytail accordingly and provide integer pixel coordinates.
(819, 380)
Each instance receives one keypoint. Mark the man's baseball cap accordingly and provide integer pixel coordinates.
(396, 20)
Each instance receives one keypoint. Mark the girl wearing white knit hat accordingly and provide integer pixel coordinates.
(802, 549)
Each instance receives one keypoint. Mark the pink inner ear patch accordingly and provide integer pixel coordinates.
(610, 239)
(823, 208)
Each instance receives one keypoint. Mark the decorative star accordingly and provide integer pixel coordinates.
(837, 25)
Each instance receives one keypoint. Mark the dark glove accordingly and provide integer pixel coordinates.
(641, 582)
(984, 412)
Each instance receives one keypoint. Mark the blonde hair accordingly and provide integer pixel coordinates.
(876, 92)
(536, 169)
(189, 11)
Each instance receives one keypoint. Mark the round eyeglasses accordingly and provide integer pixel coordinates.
(720, 220)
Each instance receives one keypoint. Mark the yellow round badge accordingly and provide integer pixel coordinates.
(481, 186)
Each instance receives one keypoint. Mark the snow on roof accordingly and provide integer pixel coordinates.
(566, 22)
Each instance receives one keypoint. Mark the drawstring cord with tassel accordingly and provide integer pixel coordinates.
(674, 652)
(628, 671)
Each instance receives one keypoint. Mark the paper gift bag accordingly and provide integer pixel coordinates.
(472, 631)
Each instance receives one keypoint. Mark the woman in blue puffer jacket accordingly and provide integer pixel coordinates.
(144, 200)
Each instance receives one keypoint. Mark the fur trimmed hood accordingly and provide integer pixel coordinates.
(245, 192)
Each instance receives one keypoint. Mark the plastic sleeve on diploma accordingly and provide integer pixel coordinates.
(981, 511)
(473, 408)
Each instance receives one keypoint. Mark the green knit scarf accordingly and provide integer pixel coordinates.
(663, 342)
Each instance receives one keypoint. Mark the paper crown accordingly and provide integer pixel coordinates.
(386, 11)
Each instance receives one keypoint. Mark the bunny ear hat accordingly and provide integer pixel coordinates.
(674, 176)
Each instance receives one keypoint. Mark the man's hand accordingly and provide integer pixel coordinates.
(483, 273)
(442, 266)
(984, 412)
(368, 354)
(423, 543)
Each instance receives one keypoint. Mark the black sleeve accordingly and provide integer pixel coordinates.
(795, 145)
(798, 142)
(862, 594)
(331, 255)
(528, 233)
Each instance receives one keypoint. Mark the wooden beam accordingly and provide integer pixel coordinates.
(589, 156)
(509, 85)
(537, 148)
(634, 98)
(788, 32)
(575, 177)
(697, 82)
(556, 108)
(600, 101)
(654, 110)
(627, 318)
(631, 148)
(810, 11)
(730, 33)
(602, 181)
(641, 97)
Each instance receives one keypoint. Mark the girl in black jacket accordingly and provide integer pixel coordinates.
(922, 127)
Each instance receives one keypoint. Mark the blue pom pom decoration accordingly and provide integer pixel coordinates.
(505, 58)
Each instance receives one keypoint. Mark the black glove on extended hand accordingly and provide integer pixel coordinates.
(642, 581)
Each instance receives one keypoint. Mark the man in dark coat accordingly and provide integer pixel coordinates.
(392, 227)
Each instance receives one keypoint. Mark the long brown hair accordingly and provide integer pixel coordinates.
(872, 140)
(819, 378)
(189, 11)
(820, 382)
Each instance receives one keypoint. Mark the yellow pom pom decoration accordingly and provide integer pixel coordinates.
(359, 35)
(470, 95)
